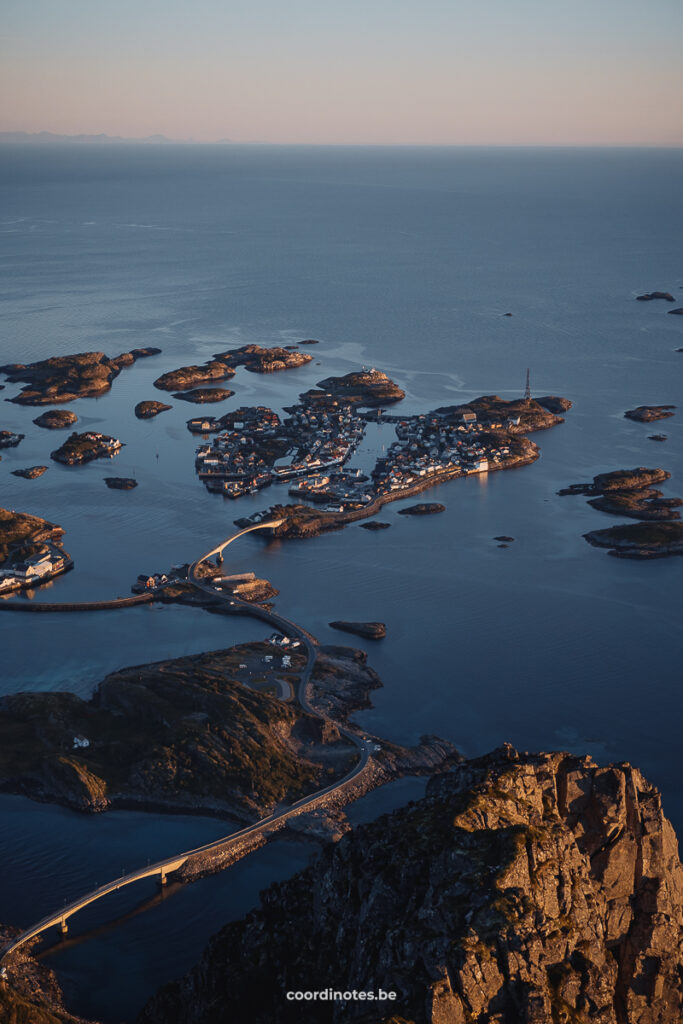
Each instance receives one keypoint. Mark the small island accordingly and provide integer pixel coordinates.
(676, 312)
(649, 296)
(640, 540)
(80, 448)
(8, 439)
(649, 413)
(224, 364)
(362, 387)
(120, 483)
(31, 473)
(264, 360)
(657, 437)
(425, 508)
(374, 525)
(629, 492)
(187, 377)
(368, 630)
(56, 419)
(148, 409)
(64, 378)
(200, 396)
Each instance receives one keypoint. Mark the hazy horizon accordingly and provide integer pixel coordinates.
(387, 72)
(83, 138)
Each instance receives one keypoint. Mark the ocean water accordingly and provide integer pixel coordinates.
(396, 258)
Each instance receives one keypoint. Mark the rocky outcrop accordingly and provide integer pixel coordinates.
(29, 991)
(85, 447)
(676, 312)
(120, 483)
(649, 296)
(361, 387)
(425, 508)
(148, 409)
(56, 419)
(523, 888)
(31, 473)
(628, 492)
(223, 365)
(554, 403)
(517, 416)
(257, 359)
(8, 439)
(369, 630)
(65, 378)
(649, 413)
(642, 541)
(190, 376)
(202, 396)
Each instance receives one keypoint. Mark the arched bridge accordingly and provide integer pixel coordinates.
(218, 550)
(60, 917)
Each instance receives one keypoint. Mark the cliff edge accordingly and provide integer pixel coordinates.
(526, 888)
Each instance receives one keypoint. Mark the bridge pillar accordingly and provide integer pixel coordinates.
(162, 877)
(63, 926)
(219, 557)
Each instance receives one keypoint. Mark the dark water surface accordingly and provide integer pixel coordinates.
(403, 259)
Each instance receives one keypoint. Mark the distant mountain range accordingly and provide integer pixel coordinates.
(42, 137)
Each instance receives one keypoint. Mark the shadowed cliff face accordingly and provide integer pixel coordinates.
(522, 888)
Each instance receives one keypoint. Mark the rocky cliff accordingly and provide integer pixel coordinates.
(523, 889)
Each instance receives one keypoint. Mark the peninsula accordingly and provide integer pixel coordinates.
(62, 379)
(31, 551)
(201, 733)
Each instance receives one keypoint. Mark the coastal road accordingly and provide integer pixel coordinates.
(164, 867)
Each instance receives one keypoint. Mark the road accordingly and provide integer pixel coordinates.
(164, 867)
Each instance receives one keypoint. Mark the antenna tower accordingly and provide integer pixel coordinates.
(527, 390)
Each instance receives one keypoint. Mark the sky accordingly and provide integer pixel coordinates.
(382, 72)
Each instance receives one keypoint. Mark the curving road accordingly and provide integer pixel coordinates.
(164, 867)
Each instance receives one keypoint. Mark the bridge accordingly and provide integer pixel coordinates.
(220, 548)
(60, 917)
(273, 821)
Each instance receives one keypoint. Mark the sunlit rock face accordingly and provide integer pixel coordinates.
(527, 888)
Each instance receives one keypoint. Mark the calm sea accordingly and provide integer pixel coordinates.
(396, 258)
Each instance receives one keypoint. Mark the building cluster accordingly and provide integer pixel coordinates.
(285, 643)
(48, 563)
(236, 461)
(240, 460)
(149, 581)
(337, 491)
(429, 445)
(426, 447)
